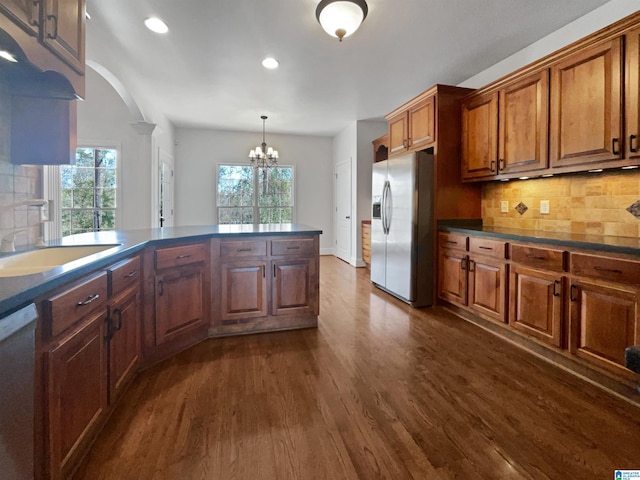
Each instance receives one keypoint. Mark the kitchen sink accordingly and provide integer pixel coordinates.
(35, 261)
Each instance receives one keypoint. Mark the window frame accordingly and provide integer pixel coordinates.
(119, 179)
(256, 204)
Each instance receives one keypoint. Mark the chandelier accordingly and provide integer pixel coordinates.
(263, 157)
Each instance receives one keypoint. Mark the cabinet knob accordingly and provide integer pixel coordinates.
(54, 19)
(632, 141)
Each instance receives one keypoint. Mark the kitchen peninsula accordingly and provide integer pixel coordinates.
(150, 294)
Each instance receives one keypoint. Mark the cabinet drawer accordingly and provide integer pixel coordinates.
(453, 240)
(123, 274)
(182, 255)
(73, 304)
(490, 248)
(545, 258)
(247, 248)
(605, 268)
(299, 246)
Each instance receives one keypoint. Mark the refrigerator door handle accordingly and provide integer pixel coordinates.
(388, 204)
(385, 191)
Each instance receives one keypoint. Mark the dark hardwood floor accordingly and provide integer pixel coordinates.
(379, 390)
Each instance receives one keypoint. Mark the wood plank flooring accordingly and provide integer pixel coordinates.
(379, 390)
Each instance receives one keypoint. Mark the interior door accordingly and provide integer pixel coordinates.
(166, 189)
(343, 210)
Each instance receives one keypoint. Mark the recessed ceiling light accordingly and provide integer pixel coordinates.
(630, 167)
(270, 63)
(8, 56)
(156, 25)
(595, 170)
(523, 178)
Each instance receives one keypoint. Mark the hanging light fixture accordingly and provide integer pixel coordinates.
(263, 157)
(340, 18)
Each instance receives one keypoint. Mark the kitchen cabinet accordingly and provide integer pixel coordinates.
(75, 379)
(63, 30)
(632, 95)
(414, 127)
(472, 273)
(24, 13)
(505, 132)
(536, 292)
(181, 290)
(586, 107)
(51, 33)
(267, 283)
(480, 136)
(123, 328)
(381, 148)
(366, 242)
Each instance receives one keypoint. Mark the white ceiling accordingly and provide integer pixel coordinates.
(207, 73)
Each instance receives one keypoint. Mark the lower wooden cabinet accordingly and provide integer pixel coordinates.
(536, 303)
(452, 276)
(295, 287)
(244, 290)
(76, 393)
(604, 321)
(488, 287)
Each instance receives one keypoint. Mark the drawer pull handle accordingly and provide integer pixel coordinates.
(54, 19)
(609, 270)
(471, 265)
(244, 249)
(463, 263)
(501, 164)
(293, 248)
(160, 288)
(485, 248)
(179, 257)
(493, 166)
(556, 283)
(132, 273)
(118, 312)
(264, 271)
(632, 139)
(452, 242)
(535, 257)
(89, 299)
(572, 295)
(615, 146)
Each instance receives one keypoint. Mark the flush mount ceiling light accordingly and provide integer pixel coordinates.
(156, 25)
(270, 63)
(263, 157)
(340, 18)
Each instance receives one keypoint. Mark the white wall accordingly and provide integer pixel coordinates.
(198, 151)
(593, 21)
(345, 149)
(103, 118)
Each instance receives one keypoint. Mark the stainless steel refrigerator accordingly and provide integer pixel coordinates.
(402, 227)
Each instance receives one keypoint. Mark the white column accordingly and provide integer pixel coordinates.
(148, 179)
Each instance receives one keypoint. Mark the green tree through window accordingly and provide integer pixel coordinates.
(248, 195)
(89, 191)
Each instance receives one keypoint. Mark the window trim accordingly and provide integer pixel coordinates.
(256, 206)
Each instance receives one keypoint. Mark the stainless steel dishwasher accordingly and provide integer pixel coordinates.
(17, 352)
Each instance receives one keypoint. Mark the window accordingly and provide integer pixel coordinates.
(249, 195)
(89, 191)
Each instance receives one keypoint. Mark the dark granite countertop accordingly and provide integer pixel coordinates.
(604, 243)
(15, 292)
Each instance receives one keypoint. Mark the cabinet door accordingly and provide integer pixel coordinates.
(124, 343)
(398, 133)
(179, 302)
(76, 392)
(244, 290)
(586, 110)
(524, 123)
(632, 82)
(295, 287)
(536, 304)
(422, 124)
(64, 30)
(452, 276)
(604, 321)
(488, 287)
(23, 13)
(480, 137)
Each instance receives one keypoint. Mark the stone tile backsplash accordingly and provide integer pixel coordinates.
(18, 183)
(600, 204)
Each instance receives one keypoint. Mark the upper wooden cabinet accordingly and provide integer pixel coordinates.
(23, 13)
(480, 136)
(381, 148)
(50, 33)
(63, 30)
(632, 95)
(505, 131)
(586, 106)
(412, 127)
